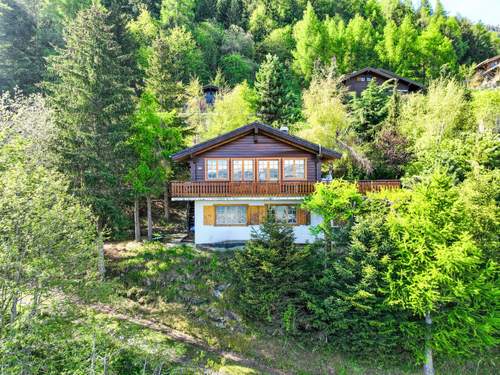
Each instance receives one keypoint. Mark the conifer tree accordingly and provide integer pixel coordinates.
(92, 97)
(276, 103)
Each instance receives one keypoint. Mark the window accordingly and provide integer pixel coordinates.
(217, 169)
(368, 78)
(360, 78)
(294, 169)
(243, 170)
(269, 170)
(288, 214)
(230, 215)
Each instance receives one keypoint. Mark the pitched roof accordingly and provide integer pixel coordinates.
(384, 73)
(256, 128)
(487, 61)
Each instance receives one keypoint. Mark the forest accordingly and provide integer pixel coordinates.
(97, 95)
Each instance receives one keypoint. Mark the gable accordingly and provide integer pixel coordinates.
(257, 146)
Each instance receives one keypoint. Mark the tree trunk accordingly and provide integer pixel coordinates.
(101, 266)
(428, 365)
(166, 203)
(188, 212)
(150, 218)
(137, 224)
(13, 309)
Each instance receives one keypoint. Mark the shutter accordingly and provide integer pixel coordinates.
(256, 215)
(262, 214)
(303, 217)
(208, 215)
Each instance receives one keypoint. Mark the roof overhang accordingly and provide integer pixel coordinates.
(384, 73)
(256, 128)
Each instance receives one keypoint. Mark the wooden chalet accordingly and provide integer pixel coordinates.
(358, 81)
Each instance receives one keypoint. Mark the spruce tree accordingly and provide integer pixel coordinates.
(276, 103)
(92, 96)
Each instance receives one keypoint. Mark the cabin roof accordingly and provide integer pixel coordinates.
(487, 61)
(384, 73)
(256, 128)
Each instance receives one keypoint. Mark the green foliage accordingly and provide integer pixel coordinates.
(369, 110)
(438, 269)
(154, 137)
(46, 236)
(175, 58)
(237, 68)
(231, 110)
(310, 40)
(276, 103)
(270, 273)
(92, 98)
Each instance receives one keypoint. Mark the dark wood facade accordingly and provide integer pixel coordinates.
(358, 81)
(255, 148)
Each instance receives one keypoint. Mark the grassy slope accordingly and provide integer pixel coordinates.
(172, 287)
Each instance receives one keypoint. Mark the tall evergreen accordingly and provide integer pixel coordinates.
(92, 96)
(277, 104)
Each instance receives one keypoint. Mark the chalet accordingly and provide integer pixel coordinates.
(487, 73)
(209, 93)
(357, 82)
(237, 176)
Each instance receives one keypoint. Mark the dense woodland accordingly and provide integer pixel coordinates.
(97, 95)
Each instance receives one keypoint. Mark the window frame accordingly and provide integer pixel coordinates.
(247, 218)
(294, 178)
(243, 169)
(268, 169)
(217, 169)
(297, 207)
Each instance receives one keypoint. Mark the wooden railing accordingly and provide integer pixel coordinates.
(194, 189)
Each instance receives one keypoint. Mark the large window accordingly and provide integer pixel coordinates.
(269, 170)
(230, 215)
(243, 170)
(294, 169)
(217, 169)
(288, 214)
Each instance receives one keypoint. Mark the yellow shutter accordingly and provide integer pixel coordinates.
(262, 214)
(256, 215)
(303, 217)
(208, 215)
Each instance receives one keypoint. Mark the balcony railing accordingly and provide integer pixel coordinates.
(194, 189)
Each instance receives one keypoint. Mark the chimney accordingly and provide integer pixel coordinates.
(284, 129)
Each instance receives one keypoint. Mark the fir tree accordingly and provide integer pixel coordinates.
(369, 110)
(92, 97)
(276, 103)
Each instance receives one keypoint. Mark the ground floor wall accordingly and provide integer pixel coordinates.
(210, 234)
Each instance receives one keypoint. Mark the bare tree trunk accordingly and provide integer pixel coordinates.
(137, 224)
(13, 309)
(166, 203)
(188, 212)
(428, 365)
(101, 266)
(36, 300)
(105, 365)
(93, 358)
(150, 218)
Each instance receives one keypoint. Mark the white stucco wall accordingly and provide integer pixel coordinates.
(206, 234)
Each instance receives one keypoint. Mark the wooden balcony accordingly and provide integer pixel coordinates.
(195, 189)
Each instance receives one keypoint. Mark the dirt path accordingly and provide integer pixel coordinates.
(185, 338)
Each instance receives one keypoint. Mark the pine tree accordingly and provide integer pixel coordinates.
(276, 103)
(370, 110)
(92, 97)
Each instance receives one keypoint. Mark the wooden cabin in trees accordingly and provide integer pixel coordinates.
(358, 81)
(487, 73)
(238, 176)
